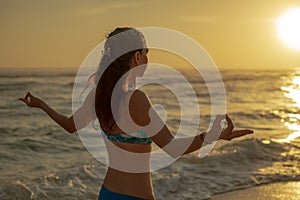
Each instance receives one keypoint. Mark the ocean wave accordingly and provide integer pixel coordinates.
(81, 182)
(235, 165)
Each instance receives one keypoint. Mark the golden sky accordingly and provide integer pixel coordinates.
(237, 34)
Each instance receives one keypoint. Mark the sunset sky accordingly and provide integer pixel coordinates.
(238, 34)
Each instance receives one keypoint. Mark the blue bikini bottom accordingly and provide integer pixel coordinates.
(106, 194)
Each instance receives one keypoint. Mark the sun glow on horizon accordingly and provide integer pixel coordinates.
(288, 28)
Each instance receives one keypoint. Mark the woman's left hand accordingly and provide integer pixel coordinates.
(32, 101)
(228, 133)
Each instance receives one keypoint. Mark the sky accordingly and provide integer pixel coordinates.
(237, 34)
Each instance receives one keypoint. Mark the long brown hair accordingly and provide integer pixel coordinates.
(111, 68)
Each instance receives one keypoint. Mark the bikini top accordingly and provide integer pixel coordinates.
(138, 137)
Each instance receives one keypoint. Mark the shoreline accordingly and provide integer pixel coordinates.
(272, 191)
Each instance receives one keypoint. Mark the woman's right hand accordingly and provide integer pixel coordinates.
(32, 101)
(227, 133)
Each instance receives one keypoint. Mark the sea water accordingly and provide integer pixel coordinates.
(40, 160)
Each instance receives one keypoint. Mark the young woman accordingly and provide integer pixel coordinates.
(128, 124)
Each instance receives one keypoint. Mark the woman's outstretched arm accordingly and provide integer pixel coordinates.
(140, 106)
(84, 115)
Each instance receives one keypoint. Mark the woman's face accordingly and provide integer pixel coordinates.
(140, 61)
(145, 51)
(144, 61)
(144, 56)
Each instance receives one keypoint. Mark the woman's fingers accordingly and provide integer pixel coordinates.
(228, 133)
(23, 100)
(28, 96)
(240, 133)
(218, 119)
(27, 99)
(229, 123)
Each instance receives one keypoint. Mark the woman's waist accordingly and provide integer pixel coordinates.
(117, 172)
(136, 184)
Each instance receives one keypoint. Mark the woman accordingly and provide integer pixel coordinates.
(128, 124)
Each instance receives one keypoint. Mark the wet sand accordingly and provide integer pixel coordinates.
(273, 191)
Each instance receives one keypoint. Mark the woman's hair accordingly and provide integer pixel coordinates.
(119, 49)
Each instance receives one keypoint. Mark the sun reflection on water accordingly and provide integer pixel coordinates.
(293, 120)
(293, 91)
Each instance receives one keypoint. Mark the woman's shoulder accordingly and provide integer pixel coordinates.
(139, 106)
(138, 95)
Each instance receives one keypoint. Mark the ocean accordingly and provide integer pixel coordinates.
(39, 160)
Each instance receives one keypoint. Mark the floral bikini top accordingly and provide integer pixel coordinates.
(138, 137)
